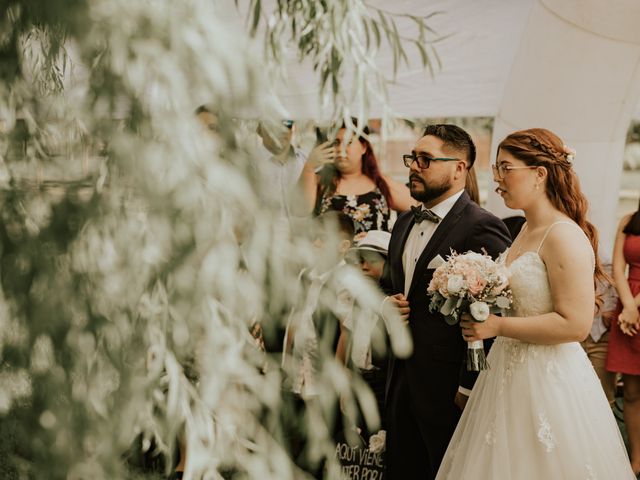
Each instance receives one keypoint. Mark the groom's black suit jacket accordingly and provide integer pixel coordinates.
(435, 369)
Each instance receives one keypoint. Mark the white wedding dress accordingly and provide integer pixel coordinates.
(539, 412)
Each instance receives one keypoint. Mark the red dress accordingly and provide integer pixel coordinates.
(624, 351)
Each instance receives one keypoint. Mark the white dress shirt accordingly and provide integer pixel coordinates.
(419, 237)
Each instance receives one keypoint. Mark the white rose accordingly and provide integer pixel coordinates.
(479, 311)
(377, 442)
(455, 283)
(503, 302)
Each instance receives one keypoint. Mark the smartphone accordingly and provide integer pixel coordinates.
(321, 135)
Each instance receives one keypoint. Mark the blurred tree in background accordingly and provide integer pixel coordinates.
(136, 249)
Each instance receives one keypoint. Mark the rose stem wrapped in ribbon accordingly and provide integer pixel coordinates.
(474, 283)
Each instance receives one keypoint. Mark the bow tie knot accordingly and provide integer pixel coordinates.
(419, 214)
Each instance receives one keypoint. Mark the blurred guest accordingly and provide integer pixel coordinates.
(351, 183)
(363, 347)
(312, 335)
(624, 341)
(314, 324)
(596, 344)
(280, 171)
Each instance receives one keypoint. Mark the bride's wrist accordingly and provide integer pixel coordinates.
(500, 326)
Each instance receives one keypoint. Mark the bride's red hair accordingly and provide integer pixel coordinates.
(538, 146)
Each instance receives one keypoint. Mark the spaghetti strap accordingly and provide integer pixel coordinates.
(549, 229)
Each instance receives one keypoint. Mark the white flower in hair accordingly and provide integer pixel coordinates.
(569, 152)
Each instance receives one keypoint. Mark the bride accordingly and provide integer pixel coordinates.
(540, 411)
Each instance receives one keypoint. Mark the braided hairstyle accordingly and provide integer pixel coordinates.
(541, 147)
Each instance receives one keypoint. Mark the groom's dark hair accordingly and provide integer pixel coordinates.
(453, 137)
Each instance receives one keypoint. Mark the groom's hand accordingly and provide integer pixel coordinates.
(460, 400)
(402, 304)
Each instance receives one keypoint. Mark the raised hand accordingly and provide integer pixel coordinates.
(321, 154)
(401, 304)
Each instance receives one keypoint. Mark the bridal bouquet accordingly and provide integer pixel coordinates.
(470, 282)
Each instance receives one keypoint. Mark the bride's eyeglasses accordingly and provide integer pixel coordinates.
(499, 171)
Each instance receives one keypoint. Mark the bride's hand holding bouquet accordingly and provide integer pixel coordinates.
(473, 331)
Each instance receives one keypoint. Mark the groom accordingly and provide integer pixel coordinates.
(427, 391)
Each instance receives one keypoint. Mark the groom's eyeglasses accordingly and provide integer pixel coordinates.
(500, 170)
(424, 160)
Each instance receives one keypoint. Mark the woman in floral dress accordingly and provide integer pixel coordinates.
(352, 183)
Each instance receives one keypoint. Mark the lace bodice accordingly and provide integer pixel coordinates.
(530, 286)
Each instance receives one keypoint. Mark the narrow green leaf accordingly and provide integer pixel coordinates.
(422, 34)
(376, 31)
(403, 55)
(448, 306)
(435, 55)
(274, 46)
(431, 71)
(401, 52)
(324, 77)
(441, 38)
(383, 20)
(256, 17)
(423, 53)
(367, 34)
(429, 29)
(433, 14)
(395, 28)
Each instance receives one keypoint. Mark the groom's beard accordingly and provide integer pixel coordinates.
(428, 192)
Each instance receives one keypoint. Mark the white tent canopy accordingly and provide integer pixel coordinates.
(572, 66)
(483, 40)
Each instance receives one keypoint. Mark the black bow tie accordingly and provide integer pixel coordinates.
(419, 215)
